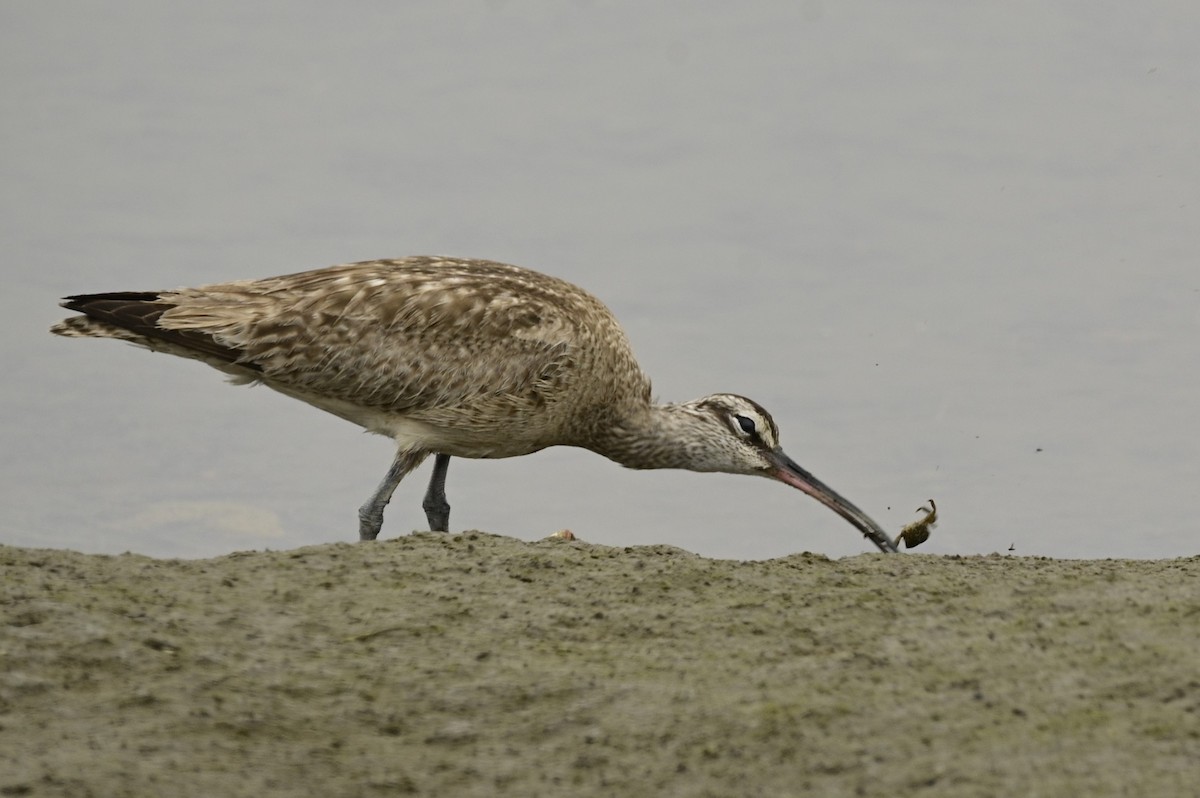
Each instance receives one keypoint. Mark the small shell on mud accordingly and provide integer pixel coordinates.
(917, 532)
(562, 534)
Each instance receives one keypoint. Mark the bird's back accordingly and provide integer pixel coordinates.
(501, 359)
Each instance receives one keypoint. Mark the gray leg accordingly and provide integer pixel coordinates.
(437, 509)
(370, 515)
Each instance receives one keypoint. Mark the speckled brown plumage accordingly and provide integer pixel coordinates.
(456, 357)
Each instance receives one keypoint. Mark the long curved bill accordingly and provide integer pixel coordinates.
(786, 470)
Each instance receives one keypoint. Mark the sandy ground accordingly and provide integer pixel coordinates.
(477, 665)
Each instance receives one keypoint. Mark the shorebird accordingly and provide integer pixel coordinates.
(455, 358)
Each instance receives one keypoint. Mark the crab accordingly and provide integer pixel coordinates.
(917, 532)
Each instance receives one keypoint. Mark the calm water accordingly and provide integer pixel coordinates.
(953, 249)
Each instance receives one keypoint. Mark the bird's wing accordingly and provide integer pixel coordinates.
(398, 335)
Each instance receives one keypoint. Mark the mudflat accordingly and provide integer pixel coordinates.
(479, 665)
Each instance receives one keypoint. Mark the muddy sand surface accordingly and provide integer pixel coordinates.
(478, 665)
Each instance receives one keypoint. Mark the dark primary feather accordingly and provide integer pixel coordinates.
(139, 313)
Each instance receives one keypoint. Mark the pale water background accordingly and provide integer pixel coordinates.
(953, 247)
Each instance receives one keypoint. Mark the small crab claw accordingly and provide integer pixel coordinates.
(787, 471)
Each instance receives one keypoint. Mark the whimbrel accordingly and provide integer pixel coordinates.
(454, 358)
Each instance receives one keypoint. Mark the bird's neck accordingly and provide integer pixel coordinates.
(652, 436)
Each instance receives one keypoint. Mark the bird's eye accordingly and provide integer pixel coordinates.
(747, 424)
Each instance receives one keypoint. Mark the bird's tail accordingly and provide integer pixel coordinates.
(134, 316)
(127, 316)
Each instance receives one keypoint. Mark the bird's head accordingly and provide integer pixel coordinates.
(736, 435)
(729, 433)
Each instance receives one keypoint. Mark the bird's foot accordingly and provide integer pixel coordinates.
(369, 523)
(437, 513)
